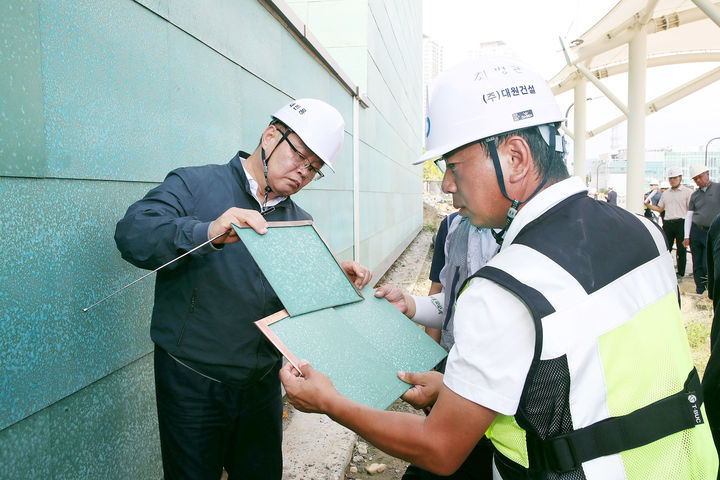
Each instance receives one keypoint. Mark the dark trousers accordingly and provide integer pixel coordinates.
(711, 385)
(674, 233)
(698, 248)
(711, 378)
(206, 425)
(478, 466)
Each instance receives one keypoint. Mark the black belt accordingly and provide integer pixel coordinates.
(701, 227)
(669, 415)
(674, 220)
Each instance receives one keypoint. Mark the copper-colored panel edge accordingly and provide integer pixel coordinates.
(275, 317)
(275, 340)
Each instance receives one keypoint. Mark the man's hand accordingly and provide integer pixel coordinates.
(686, 242)
(312, 392)
(359, 275)
(425, 390)
(400, 300)
(240, 217)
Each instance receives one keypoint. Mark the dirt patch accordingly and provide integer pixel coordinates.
(395, 467)
(697, 312)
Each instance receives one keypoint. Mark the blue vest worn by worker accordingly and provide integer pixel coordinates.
(467, 248)
(611, 392)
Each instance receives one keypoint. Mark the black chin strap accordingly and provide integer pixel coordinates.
(512, 211)
(263, 208)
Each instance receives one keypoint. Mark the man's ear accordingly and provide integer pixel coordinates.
(266, 140)
(520, 163)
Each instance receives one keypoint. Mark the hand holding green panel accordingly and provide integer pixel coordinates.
(360, 343)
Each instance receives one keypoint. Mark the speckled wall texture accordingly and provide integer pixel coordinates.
(98, 101)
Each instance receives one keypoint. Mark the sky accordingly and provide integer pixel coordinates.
(532, 29)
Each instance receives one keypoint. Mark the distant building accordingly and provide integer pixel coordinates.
(611, 168)
(432, 65)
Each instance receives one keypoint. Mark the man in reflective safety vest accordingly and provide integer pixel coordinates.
(570, 351)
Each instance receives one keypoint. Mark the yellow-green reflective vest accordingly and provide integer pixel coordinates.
(611, 392)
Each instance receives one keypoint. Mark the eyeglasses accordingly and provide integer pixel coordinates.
(303, 160)
(441, 163)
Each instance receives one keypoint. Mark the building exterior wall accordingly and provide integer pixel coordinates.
(379, 42)
(99, 100)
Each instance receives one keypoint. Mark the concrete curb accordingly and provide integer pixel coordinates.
(315, 447)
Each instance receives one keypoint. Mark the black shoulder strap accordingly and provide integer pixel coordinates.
(539, 307)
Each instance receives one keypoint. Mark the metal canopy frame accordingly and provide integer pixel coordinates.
(633, 36)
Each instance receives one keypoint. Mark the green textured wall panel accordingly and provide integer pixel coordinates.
(361, 347)
(107, 430)
(135, 106)
(97, 101)
(105, 73)
(59, 256)
(301, 269)
(22, 133)
(202, 106)
(244, 31)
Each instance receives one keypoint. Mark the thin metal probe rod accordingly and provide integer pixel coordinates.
(160, 267)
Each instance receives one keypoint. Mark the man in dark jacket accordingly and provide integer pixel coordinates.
(216, 378)
(611, 196)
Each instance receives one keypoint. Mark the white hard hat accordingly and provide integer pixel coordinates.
(664, 184)
(318, 124)
(653, 181)
(484, 97)
(674, 172)
(696, 170)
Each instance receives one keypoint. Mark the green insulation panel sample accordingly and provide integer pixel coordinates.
(361, 347)
(300, 267)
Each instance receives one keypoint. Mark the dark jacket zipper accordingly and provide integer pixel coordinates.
(187, 319)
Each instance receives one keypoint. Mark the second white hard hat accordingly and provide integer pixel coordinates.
(318, 124)
(664, 184)
(674, 172)
(696, 170)
(483, 97)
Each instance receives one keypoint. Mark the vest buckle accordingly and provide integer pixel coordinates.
(560, 455)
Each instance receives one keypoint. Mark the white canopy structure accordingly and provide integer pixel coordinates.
(635, 35)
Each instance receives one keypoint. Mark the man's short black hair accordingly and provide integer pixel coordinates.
(547, 162)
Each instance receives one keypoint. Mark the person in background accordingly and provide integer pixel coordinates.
(704, 206)
(546, 360)
(436, 266)
(664, 185)
(652, 198)
(674, 203)
(611, 196)
(216, 377)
